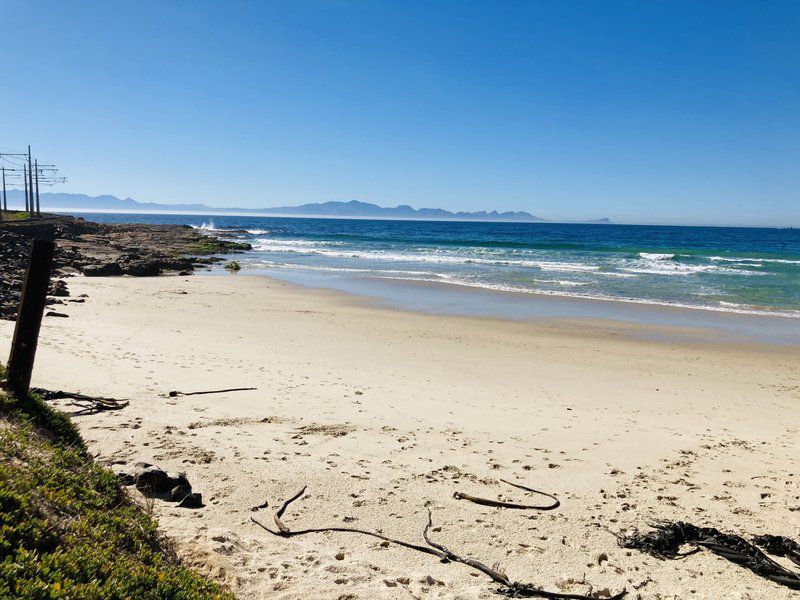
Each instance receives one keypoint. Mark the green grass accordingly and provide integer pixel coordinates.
(50, 423)
(14, 216)
(68, 529)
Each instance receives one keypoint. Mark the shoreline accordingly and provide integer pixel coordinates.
(614, 272)
(383, 413)
(678, 322)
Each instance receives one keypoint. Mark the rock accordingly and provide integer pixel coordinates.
(179, 492)
(58, 288)
(126, 478)
(177, 264)
(153, 480)
(184, 273)
(142, 268)
(193, 500)
(104, 270)
(53, 313)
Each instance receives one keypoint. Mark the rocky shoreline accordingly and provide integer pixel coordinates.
(101, 249)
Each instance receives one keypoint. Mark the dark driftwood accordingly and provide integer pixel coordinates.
(508, 587)
(499, 504)
(666, 539)
(284, 531)
(174, 393)
(88, 403)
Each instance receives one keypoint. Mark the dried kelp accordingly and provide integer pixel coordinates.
(502, 504)
(507, 587)
(667, 538)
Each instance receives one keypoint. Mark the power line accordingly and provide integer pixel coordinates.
(26, 170)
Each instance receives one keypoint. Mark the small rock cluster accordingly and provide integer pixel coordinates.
(154, 482)
(14, 250)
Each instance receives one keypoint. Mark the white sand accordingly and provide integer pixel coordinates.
(383, 413)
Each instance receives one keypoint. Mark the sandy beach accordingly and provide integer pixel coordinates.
(384, 414)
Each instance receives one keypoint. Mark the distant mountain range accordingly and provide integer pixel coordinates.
(353, 208)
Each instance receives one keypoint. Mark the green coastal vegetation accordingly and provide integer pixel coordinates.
(68, 529)
(215, 246)
(6, 215)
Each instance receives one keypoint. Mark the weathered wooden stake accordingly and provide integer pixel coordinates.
(29, 317)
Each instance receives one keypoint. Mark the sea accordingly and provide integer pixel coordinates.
(526, 267)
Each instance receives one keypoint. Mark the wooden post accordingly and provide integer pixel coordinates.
(29, 317)
(5, 201)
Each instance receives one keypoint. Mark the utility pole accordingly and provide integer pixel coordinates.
(33, 174)
(25, 183)
(30, 179)
(38, 207)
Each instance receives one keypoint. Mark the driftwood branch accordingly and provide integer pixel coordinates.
(499, 504)
(90, 404)
(508, 587)
(175, 393)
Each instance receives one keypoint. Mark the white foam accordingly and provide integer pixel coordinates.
(758, 261)
(670, 268)
(206, 227)
(318, 248)
(654, 256)
(564, 282)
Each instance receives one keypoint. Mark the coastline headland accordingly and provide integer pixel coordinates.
(101, 249)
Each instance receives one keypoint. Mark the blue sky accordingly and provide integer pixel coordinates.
(642, 111)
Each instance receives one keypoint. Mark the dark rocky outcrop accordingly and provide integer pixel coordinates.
(104, 270)
(101, 250)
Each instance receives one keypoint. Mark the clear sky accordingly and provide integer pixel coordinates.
(641, 111)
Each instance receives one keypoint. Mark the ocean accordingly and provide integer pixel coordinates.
(746, 270)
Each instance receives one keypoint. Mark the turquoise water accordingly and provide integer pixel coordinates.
(746, 270)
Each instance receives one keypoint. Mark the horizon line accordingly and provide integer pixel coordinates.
(371, 218)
